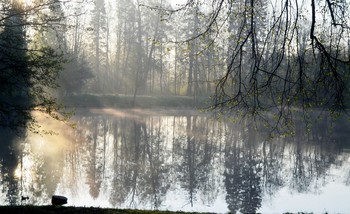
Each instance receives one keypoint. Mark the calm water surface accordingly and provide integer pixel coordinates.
(179, 161)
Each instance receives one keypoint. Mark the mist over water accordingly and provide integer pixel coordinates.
(190, 162)
(124, 63)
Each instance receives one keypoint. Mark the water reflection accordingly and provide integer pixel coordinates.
(8, 157)
(176, 162)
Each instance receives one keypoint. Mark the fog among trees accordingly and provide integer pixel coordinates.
(249, 56)
(135, 71)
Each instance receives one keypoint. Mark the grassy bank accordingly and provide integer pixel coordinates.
(126, 101)
(77, 210)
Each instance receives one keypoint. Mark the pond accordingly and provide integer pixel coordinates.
(179, 160)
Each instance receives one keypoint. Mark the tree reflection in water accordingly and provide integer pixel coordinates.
(243, 171)
(8, 157)
(179, 162)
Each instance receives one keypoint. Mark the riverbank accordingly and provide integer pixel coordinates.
(127, 101)
(75, 210)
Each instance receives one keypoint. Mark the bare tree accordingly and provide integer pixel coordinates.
(271, 64)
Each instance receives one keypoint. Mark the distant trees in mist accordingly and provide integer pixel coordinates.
(250, 56)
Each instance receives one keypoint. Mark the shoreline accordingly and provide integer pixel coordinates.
(20, 209)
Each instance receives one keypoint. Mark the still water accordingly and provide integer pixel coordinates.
(171, 160)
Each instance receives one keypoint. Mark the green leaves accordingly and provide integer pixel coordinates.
(28, 74)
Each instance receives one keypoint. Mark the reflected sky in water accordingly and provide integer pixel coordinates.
(173, 160)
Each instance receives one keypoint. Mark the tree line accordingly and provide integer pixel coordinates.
(249, 56)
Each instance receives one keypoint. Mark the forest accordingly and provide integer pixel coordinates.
(249, 57)
(99, 102)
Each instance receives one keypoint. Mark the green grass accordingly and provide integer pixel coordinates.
(77, 210)
(125, 101)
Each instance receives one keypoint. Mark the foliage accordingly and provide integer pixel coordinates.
(74, 76)
(27, 73)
